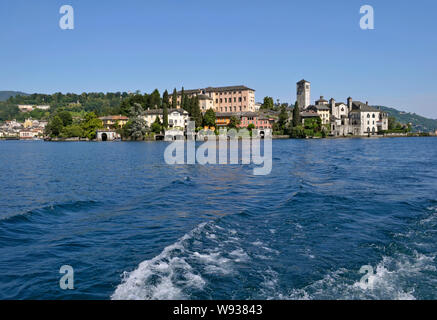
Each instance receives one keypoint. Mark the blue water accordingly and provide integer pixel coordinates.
(133, 227)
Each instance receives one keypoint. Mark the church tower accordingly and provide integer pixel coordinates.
(303, 94)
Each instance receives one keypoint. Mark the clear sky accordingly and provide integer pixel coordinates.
(267, 45)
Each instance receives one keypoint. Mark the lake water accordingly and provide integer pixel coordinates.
(133, 227)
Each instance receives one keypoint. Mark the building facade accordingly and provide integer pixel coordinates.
(112, 122)
(177, 118)
(224, 99)
(303, 94)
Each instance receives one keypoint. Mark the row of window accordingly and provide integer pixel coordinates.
(255, 122)
(225, 109)
(226, 93)
(229, 100)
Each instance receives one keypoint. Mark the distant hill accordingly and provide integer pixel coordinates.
(419, 123)
(5, 95)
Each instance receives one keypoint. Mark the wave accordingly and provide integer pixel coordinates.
(54, 209)
(390, 280)
(162, 277)
(183, 269)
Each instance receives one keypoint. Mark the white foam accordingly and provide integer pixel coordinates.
(390, 280)
(239, 255)
(163, 277)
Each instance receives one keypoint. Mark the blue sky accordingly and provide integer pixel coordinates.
(267, 45)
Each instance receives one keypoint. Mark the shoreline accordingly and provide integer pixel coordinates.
(273, 138)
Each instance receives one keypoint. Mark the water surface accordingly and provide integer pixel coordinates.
(133, 227)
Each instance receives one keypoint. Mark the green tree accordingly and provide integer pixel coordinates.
(391, 123)
(74, 130)
(268, 103)
(90, 125)
(183, 98)
(164, 115)
(296, 116)
(209, 118)
(55, 126)
(136, 129)
(283, 118)
(156, 126)
(165, 98)
(174, 99)
(298, 132)
(196, 114)
(66, 118)
(234, 122)
(155, 100)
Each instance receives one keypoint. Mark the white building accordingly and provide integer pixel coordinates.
(45, 107)
(25, 107)
(177, 118)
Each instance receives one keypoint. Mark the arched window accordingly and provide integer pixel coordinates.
(373, 115)
(368, 115)
(368, 129)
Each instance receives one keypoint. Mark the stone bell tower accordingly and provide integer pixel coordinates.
(303, 94)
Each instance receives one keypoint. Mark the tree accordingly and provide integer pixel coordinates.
(155, 100)
(174, 99)
(298, 132)
(156, 126)
(182, 98)
(54, 127)
(196, 114)
(164, 115)
(66, 118)
(90, 125)
(251, 126)
(283, 118)
(268, 103)
(165, 98)
(234, 122)
(391, 123)
(296, 116)
(136, 128)
(209, 118)
(74, 130)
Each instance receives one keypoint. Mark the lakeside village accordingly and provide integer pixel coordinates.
(88, 117)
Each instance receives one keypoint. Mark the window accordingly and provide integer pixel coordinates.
(368, 115)
(240, 108)
(221, 100)
(239, 99)
(226, 99)
(216, 100)
(373, 115)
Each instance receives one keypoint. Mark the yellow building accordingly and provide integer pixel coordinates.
(323, 111)
(110, 122)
